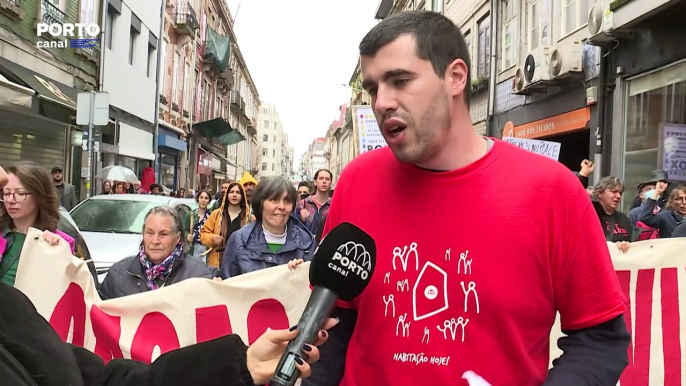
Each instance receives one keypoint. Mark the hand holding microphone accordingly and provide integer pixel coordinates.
(342, 267)
(264, 354)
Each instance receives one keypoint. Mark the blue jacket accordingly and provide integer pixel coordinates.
(247, 249)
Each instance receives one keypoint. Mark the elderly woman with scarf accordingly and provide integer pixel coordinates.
(232, 215)
(161, 260)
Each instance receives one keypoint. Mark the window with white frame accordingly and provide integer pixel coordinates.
(175, 79)
(509, 46)
(575, 15)
(484, 47)
(468, 41)
(89, 12)
(163, 65)
(187, 89)
(537, 23)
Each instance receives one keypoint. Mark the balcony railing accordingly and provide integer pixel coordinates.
(185, 20)
(15, 2)
(50, 14)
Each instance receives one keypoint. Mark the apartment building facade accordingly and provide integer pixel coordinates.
(40, 77)
(129, 62)
(276, 159)
(335, 156)
(208, 100)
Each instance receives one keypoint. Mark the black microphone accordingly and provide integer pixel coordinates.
(342, 266)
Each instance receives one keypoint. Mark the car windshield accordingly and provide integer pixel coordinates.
(112, 216)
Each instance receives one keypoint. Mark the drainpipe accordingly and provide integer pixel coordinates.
(103, 39)
(192, 145)
(490, 119)
(156, 162)
(438, 6)
(604, 134)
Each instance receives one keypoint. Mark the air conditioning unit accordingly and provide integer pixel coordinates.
(601, 23)
(535, 72)
(565, 60)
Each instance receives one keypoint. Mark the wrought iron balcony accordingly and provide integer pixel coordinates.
(50, 14)
(185, 19)
(237, 100)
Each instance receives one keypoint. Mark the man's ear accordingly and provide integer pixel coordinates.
(457, 74)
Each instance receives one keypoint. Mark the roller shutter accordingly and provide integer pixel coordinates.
(29, 137)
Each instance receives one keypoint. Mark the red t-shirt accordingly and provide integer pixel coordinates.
(472, 266)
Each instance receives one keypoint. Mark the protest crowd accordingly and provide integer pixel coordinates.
(467, 284)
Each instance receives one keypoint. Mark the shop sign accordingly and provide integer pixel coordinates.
(558, 124)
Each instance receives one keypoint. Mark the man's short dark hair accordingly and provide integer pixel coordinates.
(316, 175)
(272, 188)
(438, 40)
(304, 183)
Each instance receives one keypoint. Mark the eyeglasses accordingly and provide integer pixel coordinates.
(18, 196)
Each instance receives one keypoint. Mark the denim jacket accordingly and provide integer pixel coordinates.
(247, 249)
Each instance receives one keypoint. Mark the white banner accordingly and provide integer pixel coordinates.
(652, 276)
(146, 325)
(544, 148)
(369, 135)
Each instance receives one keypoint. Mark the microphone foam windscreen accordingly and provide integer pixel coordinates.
(344, 261)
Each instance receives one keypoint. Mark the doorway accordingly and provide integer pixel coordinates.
(574, 147)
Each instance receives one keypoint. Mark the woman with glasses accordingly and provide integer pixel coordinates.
(29, 200)
(161, 260)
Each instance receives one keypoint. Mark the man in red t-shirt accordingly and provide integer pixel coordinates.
(473, 284)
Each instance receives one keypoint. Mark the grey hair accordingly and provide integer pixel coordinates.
(609, 182)
(166, 211)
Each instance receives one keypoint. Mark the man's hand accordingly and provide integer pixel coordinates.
(587, 168)
(217, 239)
(623, 246)
(660, 188)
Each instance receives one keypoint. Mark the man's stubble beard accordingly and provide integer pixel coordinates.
(427, 132)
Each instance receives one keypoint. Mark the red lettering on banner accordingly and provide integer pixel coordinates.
(266, 313)
(671, 341)
(212, 323)
(637, 373)
(107, 331)
(154, 330)
(72, 305)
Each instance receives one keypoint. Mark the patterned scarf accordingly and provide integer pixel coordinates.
(161, 270)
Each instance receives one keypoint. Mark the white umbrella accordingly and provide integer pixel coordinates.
(117, 173)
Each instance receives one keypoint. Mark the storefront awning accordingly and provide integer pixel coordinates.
(46, 88)
(172, 143)
(220, 129)
(13, 93)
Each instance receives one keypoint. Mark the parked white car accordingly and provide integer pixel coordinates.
(112, 224)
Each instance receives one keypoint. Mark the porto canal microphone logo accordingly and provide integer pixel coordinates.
(352, 257)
